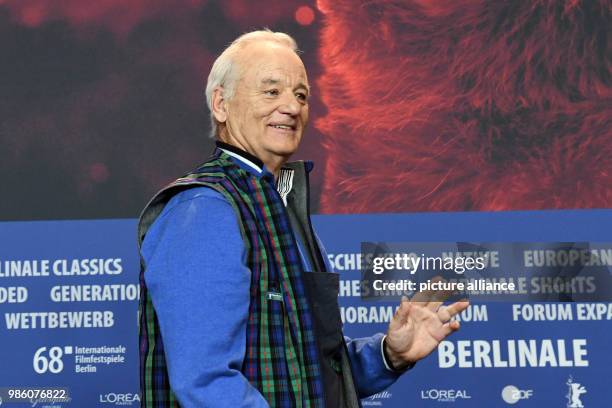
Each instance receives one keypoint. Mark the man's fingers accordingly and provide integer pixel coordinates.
(422, 298)
(444, 314)
(449, 328)
(457, 307)
(434, 306)
(401, 315)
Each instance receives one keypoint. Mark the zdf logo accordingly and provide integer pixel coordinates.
(512, 394)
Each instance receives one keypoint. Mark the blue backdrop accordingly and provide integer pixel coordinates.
(69, 313)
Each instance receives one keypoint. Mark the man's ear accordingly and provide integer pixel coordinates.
(219, 105)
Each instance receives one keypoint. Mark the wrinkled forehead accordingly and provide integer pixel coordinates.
(267, 76)
(271, 64)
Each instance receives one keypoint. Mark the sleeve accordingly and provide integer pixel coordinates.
(199, 285)
(371, 371)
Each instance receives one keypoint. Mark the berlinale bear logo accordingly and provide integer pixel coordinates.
(574, 391)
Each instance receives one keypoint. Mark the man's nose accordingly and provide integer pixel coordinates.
(290, 104)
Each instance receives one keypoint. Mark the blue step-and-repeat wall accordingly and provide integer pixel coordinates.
(69, 297)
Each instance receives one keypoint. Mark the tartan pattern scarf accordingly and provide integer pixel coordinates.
(281, 358)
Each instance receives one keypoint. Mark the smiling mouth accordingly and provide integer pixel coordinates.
(283, 127)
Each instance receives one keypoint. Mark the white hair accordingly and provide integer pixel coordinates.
(225, 72)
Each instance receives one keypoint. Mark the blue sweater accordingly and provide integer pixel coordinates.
(199, 284)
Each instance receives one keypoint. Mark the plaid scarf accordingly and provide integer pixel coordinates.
(281, 358)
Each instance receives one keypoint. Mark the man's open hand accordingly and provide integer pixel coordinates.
(417, 328)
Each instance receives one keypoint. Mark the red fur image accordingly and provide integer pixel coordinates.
(464, 105)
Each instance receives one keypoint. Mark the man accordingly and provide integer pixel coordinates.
(238, 303)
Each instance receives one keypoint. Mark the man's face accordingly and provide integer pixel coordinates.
(269, 110)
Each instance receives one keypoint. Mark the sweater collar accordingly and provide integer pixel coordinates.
(255, 166)
(244, 159)
(254, 163)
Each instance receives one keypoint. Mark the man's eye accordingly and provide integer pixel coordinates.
(301, 96)
(272, 92)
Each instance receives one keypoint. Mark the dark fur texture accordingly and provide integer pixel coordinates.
(466, 105)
